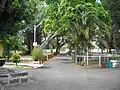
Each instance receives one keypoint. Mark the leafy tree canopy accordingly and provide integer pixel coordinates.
(81, 21)
(11, 14)
(15, 14)
(114, 8)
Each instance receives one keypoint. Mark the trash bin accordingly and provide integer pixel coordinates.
(110, 64)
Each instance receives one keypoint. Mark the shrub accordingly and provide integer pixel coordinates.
(37, 54)
(115, 57)
(15, 58)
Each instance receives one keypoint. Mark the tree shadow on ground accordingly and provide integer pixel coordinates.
(67, 62)
(64, 60)
(62, 54)
(44, 67)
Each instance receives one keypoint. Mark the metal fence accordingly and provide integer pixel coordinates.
(95, 59)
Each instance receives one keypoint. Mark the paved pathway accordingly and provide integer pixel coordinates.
(60, 74)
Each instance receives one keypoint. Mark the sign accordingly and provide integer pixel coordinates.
(34, 44)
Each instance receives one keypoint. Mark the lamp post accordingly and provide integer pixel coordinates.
(34, 33)
(35, 28)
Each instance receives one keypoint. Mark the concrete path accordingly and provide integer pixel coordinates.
(60, 74)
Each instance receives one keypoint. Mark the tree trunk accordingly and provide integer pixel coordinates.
(102, 51)
(8, 57)
(48, 39)
(16, 65)
(59, 47)
(51, 46)
(38, 35)
(102, 58)
(29, 41)
(110, 50)
(70, 50)
(76, 54)
(87, 55)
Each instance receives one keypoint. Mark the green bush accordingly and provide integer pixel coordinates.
(115, 57)
(37, 54)
(15, 58)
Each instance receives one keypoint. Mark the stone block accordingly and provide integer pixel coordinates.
(13, 78)
(3, 75)
(23, 73)
(24, 80)
(4, 83)
(14, 81)
(14, 75)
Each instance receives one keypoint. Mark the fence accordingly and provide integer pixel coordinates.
(86, 59)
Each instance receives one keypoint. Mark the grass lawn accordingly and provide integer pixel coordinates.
(93, 62)
(14, 66)
(28, 58)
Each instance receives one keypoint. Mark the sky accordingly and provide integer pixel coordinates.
(98, 1)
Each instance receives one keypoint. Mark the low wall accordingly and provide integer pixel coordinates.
(14, 78)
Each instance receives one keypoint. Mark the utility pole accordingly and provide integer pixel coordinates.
(34, 33)
(34, 42)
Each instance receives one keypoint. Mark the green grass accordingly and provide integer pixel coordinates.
(14, 66)
(93, 62)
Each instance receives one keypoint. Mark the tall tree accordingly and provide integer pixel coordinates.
(83, 20)
(11, 15)
(113, 7)
(114, 10)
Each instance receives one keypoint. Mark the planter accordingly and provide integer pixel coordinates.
(118, 63)
(114, 63)
(2, 62)
(45, 58)
(55, 54)
(41, 62)
(50, 56)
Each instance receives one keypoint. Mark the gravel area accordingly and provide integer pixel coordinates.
(60, 74)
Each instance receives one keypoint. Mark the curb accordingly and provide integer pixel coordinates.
(34, 65)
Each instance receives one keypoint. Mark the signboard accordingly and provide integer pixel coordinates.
(34, 44)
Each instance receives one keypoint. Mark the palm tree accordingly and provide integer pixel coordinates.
(88, 23)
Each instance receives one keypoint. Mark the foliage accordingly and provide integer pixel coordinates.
(15, 58)
(78, 21)
(105, 3)
(115, 57)
(14, 43)
(114, 9)
(81, 22)
(37, 54)
(34, 11)
(114, 6)
(11, 15)
(16, 14)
